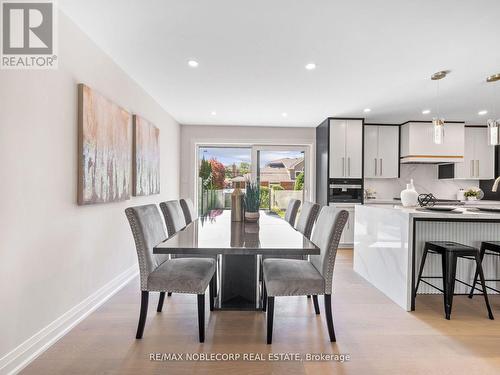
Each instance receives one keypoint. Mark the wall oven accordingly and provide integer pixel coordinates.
(345, 190)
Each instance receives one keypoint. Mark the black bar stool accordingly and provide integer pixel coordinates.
(450, 252)
(487, 248)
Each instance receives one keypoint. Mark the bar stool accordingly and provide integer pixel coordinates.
(450, 252)
(494, 249)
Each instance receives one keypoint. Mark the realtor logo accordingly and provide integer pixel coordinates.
(28, 35)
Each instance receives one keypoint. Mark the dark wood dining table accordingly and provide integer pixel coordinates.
(238, 247)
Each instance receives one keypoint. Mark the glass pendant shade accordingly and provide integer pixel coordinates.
(438, 130)
(493, 132)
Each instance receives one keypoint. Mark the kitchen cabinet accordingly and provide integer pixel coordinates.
(346, 148)
(381, 151)
(479, 157)
(347, 238)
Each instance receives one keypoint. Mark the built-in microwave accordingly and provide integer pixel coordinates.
(348, 190)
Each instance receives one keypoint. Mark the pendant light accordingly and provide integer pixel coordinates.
(493, 125)
(438, 122)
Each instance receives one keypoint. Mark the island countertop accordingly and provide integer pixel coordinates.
(389, 241)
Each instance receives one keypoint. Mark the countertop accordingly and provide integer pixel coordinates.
(460, 213)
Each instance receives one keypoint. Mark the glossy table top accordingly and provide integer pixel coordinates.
(215, 233)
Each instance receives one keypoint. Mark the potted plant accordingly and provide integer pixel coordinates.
(252, 201)
(472, 194)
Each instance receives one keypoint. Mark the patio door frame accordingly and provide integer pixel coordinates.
(309, 164)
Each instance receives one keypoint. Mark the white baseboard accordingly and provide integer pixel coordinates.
(14, 361)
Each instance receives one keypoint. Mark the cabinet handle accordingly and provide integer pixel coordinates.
(381, 170)
(477, 168)
(375, 166)
(349, 166)
(343, 166)
(472, 168)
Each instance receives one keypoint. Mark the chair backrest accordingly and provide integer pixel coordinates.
(148, 230)
(308, 214)
(174, 217)
(326, 236)
(291, 211)
(188, 209)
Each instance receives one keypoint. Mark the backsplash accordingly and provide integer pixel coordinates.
(425, 180)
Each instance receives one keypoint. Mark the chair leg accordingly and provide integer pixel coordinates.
(444, 268)
(212, 292)
(143, 314)
(329, 317)
(169, 294)
(481, 257)
(160, 301)
(479, 268)
(264, 296)
(451, 263)
(201, 316)
(316, 304)
(270, 316)
(422, 264)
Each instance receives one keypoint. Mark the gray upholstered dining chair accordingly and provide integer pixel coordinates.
(307, 218)
(160, 274)
(295, 277)
(188, 210)
(174, 216)
(291, 211)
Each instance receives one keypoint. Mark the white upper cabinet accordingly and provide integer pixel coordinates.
(381, 151)
(479, 157)
(346, 149)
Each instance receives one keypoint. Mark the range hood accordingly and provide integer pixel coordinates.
(417, 146)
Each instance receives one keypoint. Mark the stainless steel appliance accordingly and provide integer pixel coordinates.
(348, 190)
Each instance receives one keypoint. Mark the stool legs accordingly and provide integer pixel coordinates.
(479, 269)
(422, 264)
(451, 268)
(481, 256)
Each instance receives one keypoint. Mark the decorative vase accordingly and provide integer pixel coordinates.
(252, 217)
(472, 198)
(237, 205)
(409, 196)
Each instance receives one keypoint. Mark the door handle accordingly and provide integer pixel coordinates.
(375, 166)
(381, 170)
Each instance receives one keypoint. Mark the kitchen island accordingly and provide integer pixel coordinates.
(389, 240)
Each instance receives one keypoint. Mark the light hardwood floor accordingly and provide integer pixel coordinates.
(378, 335)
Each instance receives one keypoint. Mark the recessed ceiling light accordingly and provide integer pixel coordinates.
(311, 66)
(193, 63)
(213, 113)
(284, 114)
(426, 111)
(482, 112)
(366, 110)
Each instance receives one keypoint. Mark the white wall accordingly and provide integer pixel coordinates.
(53, 253)
(191, 135)
(425, 178)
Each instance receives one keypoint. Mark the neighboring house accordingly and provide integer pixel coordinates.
(282, 171)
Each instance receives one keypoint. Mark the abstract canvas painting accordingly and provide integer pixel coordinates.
(104, 149)
(146, 159)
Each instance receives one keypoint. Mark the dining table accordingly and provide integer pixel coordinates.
(238, 247)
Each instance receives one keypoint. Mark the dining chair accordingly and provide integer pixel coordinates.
(307, 218)
(296, 277)
(291, 211)
(160, 274)
(188, 210)
(174, 216)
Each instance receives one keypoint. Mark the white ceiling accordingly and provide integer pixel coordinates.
(376, 54)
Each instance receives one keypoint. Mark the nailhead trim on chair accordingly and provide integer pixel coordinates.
(332, 249)
(140, 246)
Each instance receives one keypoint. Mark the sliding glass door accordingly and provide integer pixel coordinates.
(282, 173)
